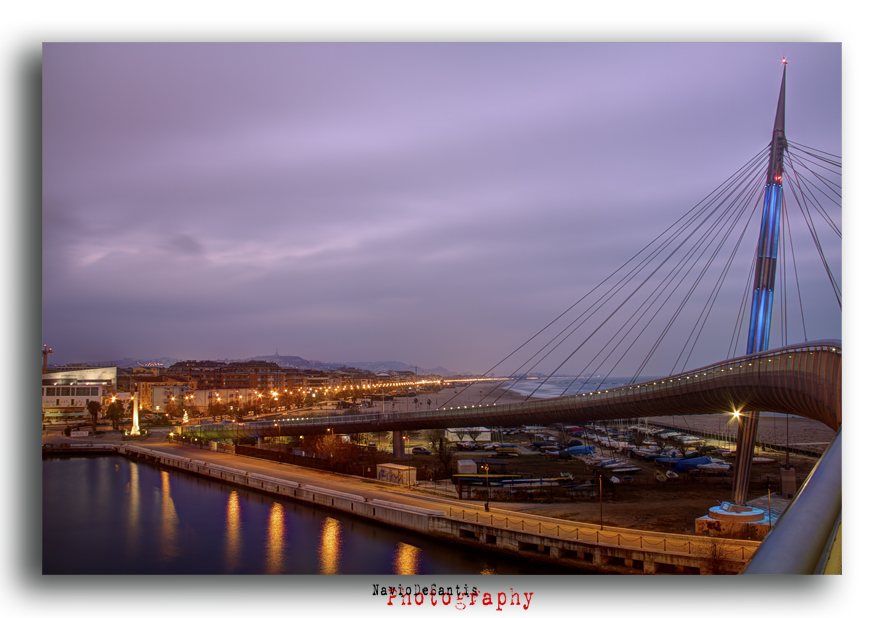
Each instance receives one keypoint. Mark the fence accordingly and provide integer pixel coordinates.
(731, 437)
(670, 544)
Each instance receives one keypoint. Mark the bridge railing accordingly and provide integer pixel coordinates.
(771, 360)
(801, 541)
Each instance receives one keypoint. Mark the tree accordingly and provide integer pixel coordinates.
(432, 435)
(561, 434)
(715, 555)
(326, 446)
(215, 407)
(114, 413)
(441, 447)
(174, 408)
(93, 407)
(359, 438)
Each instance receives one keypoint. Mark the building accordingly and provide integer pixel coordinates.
(66, 393)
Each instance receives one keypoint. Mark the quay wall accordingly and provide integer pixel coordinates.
(609, 550)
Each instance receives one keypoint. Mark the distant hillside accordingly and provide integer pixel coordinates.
(388, 366)
(295, 362)
(129, 363)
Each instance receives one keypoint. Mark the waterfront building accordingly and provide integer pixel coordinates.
(66, 393)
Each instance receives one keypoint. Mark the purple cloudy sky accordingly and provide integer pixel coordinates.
(431, 203)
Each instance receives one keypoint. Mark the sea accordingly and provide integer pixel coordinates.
(561, 387)
(110, 515)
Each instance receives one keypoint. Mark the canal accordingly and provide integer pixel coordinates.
(110, 515)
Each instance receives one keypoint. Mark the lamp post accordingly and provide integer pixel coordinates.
(488, 487)
(279, 442)
(600, 500)
(769, 509)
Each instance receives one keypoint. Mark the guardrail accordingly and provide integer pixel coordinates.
(698, 547)
(801, 541)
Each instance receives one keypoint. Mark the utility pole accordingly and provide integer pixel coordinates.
(47, 351)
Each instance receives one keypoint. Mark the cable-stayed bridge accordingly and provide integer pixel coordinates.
(648, 294)
(805, 380)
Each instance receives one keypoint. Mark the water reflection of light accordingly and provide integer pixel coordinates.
(168, 523)
(232, 532)
(276, 539)
(132, 489)
(330, 547)
(487, 570)
(407, 560)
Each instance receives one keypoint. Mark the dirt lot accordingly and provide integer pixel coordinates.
(646, 503)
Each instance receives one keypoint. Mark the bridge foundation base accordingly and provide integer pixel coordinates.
(734, 521)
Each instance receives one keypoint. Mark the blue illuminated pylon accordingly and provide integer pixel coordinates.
(763, 286)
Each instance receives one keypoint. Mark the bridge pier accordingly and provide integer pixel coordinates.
(399, 446)
(746, 447)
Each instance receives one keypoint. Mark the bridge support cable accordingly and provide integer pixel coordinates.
(810, 201)
(701, 227)
(740, 214)
(782, 263)
(651, 251)
(828, 166)
(809, 222)
(789, 237)
(735, 214)
(691, 214)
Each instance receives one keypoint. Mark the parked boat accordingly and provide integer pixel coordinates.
(626, 469)
(715, 468)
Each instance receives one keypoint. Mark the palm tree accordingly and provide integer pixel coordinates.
(114, 413)
(93, 408)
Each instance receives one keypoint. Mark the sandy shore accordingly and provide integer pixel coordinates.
(773, 430)
(813, 435)
(480, 393)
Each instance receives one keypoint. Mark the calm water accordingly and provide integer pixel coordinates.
(558, 387)
(110, 515)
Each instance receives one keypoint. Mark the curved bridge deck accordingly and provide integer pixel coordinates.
(805, 380)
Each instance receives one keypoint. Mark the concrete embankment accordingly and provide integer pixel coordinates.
(575, 544)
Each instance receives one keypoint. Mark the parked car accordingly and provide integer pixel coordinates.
(420, 450)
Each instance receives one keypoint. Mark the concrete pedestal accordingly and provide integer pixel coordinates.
(788, 482)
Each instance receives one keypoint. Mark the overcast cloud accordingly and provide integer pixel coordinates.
(433, 204)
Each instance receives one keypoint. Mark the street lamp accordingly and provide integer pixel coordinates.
(488, 487)
(769, 508)
(600, 500)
